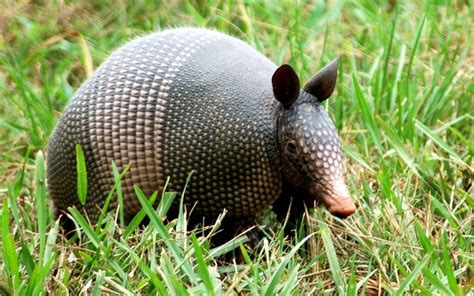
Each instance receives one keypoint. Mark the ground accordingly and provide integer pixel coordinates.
(403, 107)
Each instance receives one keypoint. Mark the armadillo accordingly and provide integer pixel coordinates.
(190, 99)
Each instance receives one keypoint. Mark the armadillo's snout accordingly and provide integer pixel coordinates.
(336, 198)
(342, 208)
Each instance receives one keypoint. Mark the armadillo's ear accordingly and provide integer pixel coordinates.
(323, 83)
(286, 85)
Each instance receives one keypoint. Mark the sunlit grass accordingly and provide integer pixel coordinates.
(403, 106)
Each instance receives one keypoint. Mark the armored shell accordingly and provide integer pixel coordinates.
(186, 100)
(167, 104)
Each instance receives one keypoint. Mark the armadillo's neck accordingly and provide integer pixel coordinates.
(292, 184)
(289, 176)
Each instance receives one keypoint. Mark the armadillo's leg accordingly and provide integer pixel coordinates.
(289, 207)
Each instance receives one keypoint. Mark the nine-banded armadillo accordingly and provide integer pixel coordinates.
(185, 100)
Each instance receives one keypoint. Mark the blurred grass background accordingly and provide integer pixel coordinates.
(403, 106)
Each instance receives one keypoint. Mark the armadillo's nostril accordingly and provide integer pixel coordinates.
(343, 213)
(343, 209)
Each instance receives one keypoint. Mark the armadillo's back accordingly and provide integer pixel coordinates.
(167, 104)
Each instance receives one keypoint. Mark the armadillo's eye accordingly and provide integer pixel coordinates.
(291, 147)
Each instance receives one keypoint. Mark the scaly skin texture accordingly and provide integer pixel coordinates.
(187, 100)
(312, 159)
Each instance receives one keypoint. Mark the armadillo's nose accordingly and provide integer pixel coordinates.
(337, 198)
(342, 207)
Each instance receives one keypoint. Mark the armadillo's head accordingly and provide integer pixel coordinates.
(309, 145)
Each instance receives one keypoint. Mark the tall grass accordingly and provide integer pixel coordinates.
(404, 108)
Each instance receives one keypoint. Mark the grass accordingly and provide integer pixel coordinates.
(404, 107)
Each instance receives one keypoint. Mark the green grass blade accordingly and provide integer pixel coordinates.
(137, 220)
(406, 127)
(170, 276)
(81, 175)
(166, 201)
(202, 266)
(439, 99)
(464, 141)
(26, 258)
(36, 283)
(367, 115)
(152, 275)
(13, 194)
(436, 282)
(415, 48)
(331, 255)
(397, 144)
(50, 249)
(270, 287)
(85, 226)
(388, 54)
(350, 151)
(448, 268)
(98, 283)
(11, 266)
(41, 210)
(396, 81)
(118, 190)
(163, 232)
(182, 219)
(422, 238)
(435, 138)
(438, 205)
(351, 283)
(229, 246)
(413, 274)
(290, 283)
(117, 182)
(452, 122)
(364, 280)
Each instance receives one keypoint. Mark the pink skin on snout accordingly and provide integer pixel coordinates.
(335, 197)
